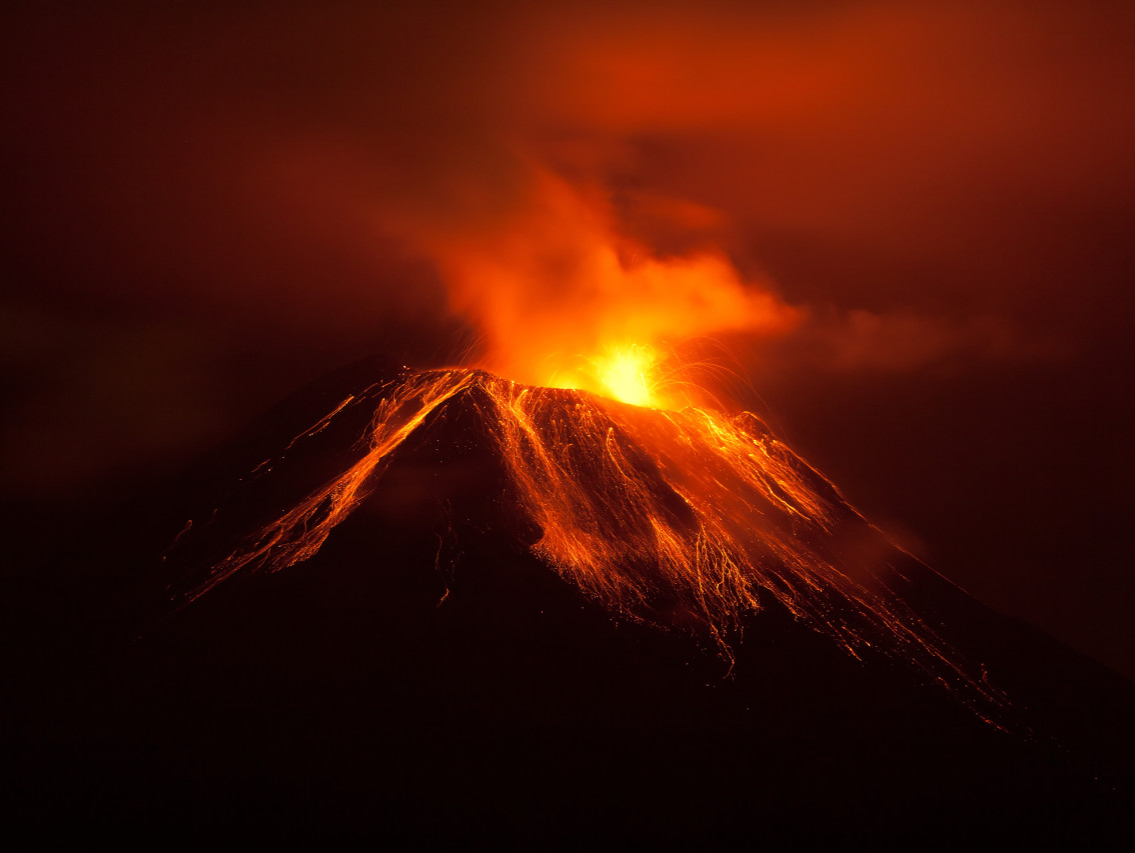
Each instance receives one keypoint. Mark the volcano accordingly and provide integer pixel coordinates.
(440, 607)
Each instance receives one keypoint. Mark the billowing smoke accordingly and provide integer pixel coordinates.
(241, 199)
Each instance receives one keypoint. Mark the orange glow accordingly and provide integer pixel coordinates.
(676, 518)
(630, 374)
(562, 298)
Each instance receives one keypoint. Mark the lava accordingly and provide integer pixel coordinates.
(626, 373)
(679, 518)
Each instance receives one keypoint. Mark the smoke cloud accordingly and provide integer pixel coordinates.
(884, 211)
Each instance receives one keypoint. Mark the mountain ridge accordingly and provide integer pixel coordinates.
(429, 677)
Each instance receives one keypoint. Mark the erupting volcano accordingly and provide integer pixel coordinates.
(567, 550)
(617, 472)
(541, 426)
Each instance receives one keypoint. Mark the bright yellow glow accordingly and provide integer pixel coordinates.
(633, 373)
(629, 374)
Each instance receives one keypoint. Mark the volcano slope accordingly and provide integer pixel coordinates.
(417, 647)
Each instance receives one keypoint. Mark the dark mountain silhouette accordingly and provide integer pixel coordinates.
(426, 678)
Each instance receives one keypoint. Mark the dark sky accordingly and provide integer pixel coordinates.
(207, 207)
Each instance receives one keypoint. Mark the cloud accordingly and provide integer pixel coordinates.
(902, 341)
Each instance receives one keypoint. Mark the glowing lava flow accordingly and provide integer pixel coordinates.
(678, 518)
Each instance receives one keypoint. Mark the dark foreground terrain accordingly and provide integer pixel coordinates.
(425, 680)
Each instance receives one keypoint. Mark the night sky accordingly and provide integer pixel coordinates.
(207, 208)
